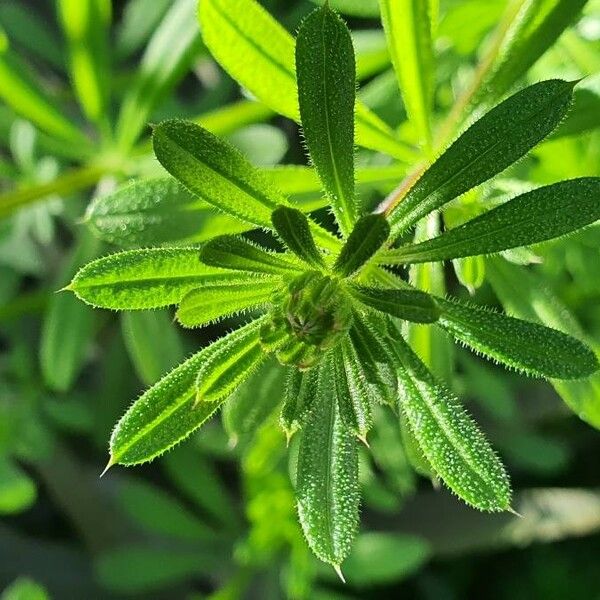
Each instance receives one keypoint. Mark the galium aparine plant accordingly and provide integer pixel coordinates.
(331, 306)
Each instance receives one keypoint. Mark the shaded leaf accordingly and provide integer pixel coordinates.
(299, 396)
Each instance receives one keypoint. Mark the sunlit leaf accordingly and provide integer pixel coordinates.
(450, 440)
(140, 279)
(326, 75)
(407, 24)
(542, 214)
(327, 485)
(498, 139)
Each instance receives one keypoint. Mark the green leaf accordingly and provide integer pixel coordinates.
(231, 361)
(490, 145)
(254, 401)
(368, 235)
(68, 326)
(234, 252)
(450, 440)
(351, 390)
(299, 396)
(155, 211)
(294, 229)
(210, 303)
(522, 345)
(141, 330)
(410, 305)
(407, 25)
(158, 512)
(17, 490)
(528, 296)
(167, 58)
(354, 8)
(167, 412)
(85, 24)
(140, 279)
(24, 588)
(215, 171)
(19, 90)
(140, 18)
(370, 352)
(538, 25)
(542, 214)
(326, 75)
(259, 54)
(327, 482)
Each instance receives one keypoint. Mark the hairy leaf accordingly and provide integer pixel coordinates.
(259, 53)
(450, 440)
(542, 214)
(369, 351)
(293, 228)
(326, 74)
(140, 279)
(234, 252)
(232, 360)
(407, 25)
(327, 485)
(212, 302)
(165, 414)
(522, 345)
(215, 171)
(368, 235)
(156, 211)
(170, 53)
(498, 139)
(300, 394)
(351, 389)
(411, 305)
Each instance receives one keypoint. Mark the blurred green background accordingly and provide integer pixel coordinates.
(215, 518)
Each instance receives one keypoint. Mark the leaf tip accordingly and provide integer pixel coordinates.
(109, 464)
(512, 511)
(339, 573)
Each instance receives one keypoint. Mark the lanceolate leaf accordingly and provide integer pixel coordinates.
(215, 171)
(542, 214)
(407, 25)
(450, 440)
(491, 144)
(525, 346)
(163, 415)
(140, 279)
(300, 394)
(156, 211)
(232, 359)
(368, 350)
(234, 252)
(354, 403)
(368, 235)
(293, 228)
(326, 75)
(411, 305)
(259, 53)
(212, 302)
(327, 484)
